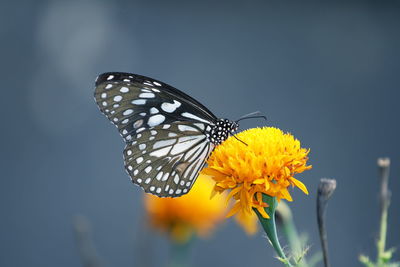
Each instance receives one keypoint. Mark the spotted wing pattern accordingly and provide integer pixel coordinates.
(166, 160)
(166, 131)
(134, 103)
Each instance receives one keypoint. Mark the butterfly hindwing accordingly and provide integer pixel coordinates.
(167, 159)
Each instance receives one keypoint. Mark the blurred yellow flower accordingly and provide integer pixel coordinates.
(193, 213)
(248, 221)
(266, 165)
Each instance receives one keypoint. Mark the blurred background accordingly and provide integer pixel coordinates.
(326, 72)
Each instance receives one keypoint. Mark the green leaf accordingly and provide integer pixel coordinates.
(366, 261)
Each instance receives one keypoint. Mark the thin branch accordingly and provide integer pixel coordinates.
(325, 190)
(384, 196)
(89, 256)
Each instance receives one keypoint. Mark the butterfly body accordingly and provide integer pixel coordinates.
(168, 134)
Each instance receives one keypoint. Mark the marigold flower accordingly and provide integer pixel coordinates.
(193, 213)
(266, 165)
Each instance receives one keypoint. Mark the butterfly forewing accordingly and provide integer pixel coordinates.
(132, 101)
(165, 131)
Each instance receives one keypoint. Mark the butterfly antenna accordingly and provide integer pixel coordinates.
(240, 140)
(252, 115)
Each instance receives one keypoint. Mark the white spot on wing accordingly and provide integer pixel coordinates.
(159, 175)
(139, 160)
(168, 107)
(147, 95)
(160, 152)
(194, 117)
(140, 130)
(117, 98)
(186, 128)
(139, 102)
(124, 89)
(110, 77)
(165, 177)
(127, 112)
(156, 120)
(142, 146)
(163, 143)
(153, 111)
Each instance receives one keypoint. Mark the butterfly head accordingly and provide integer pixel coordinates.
(222, 129)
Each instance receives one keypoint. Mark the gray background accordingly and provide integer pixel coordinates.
(328, 72)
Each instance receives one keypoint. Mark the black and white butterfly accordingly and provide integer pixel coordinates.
(168, 134)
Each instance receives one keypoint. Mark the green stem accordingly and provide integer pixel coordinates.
(382, 237)
(180, 253)
(290, 231)
(384, 167)
(269, 227)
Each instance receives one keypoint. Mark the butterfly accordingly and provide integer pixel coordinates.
(168, 134)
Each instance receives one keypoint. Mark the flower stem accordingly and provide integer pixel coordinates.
(325, 190)
(384, 166)
(179, 254)
(269, 227)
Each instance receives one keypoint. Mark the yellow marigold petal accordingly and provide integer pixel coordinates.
(299, 185)
(259, 181)
(234, 210)
(286, 195)
(263, 213)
